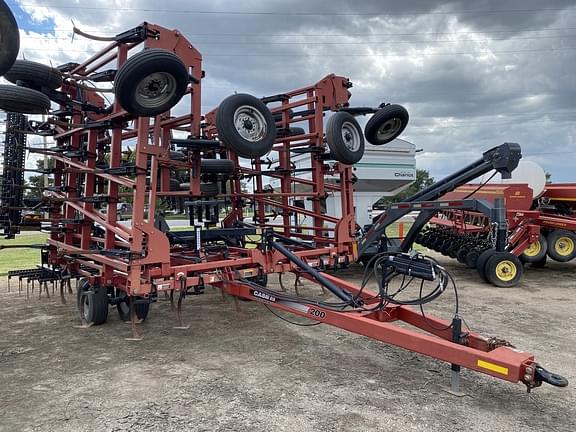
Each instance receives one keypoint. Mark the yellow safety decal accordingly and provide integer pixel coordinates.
(355, 249)
(493, 367)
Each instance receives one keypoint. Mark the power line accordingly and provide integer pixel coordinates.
(507, 123)
(297, 14)
(467, 156)
(110, 33)
(547, 50)
(351, 43)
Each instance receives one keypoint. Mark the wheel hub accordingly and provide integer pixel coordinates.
(564, 246)
(533, 250)
(155, 89)
(250, 123)
(351, 137)
(506, 270)
(388, 129)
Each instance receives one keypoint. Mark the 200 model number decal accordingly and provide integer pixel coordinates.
(317, 313)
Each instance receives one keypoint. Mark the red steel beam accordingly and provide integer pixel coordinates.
(502, 362)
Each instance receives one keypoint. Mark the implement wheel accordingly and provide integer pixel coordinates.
(446, 246)
(472, 258)
(245, 125)
(34, 75)
(535, 251)
(504, 269)
(80, 288)
(481, 262)
(562, 245)
(386, 124)
(23, 100)
(541, 263)
(217, 166)
(344, 138)
(151, 82)
(9, 38)
(94, 305)
(462, 254)
(140, 308)
(209, 189)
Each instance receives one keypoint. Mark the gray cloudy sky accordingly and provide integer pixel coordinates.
(472, 74)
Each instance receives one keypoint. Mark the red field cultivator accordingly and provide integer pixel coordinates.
(133, 153)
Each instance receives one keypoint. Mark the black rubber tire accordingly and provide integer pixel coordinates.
(436, 244)
(511, 261)
(95, 306)
(141, 67)
(23, 100)
(9, 38)
(482, 261)
(36, 75)
(541, 253)
(339, 149)
(177, 155)
(556, 239)
(81, 287)
(446, 246)
(141, 310)
(230, 136)
(453, 250)
(541, 263)
(472, 258)
(277, 116)
(426, 241)
(296, 131)
(210, 189)
(461, 254)
(174, 184)
(217, 166)
(389, 121)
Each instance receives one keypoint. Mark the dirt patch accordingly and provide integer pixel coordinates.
(247, 370)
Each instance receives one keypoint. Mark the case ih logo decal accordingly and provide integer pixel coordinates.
(262, 295)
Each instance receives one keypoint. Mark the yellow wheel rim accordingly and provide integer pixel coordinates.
(506, 271)
(564, 246)
(534, 249)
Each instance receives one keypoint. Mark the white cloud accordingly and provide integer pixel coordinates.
(470, 81)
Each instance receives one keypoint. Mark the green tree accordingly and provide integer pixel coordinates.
(423, 180)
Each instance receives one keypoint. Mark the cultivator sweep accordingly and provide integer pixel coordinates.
(133, 156)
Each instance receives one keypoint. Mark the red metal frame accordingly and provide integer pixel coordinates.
(330, 93)
(157, 269)
(146, 264)
(486, 355)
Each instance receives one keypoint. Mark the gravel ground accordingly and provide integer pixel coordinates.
(246, 370)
